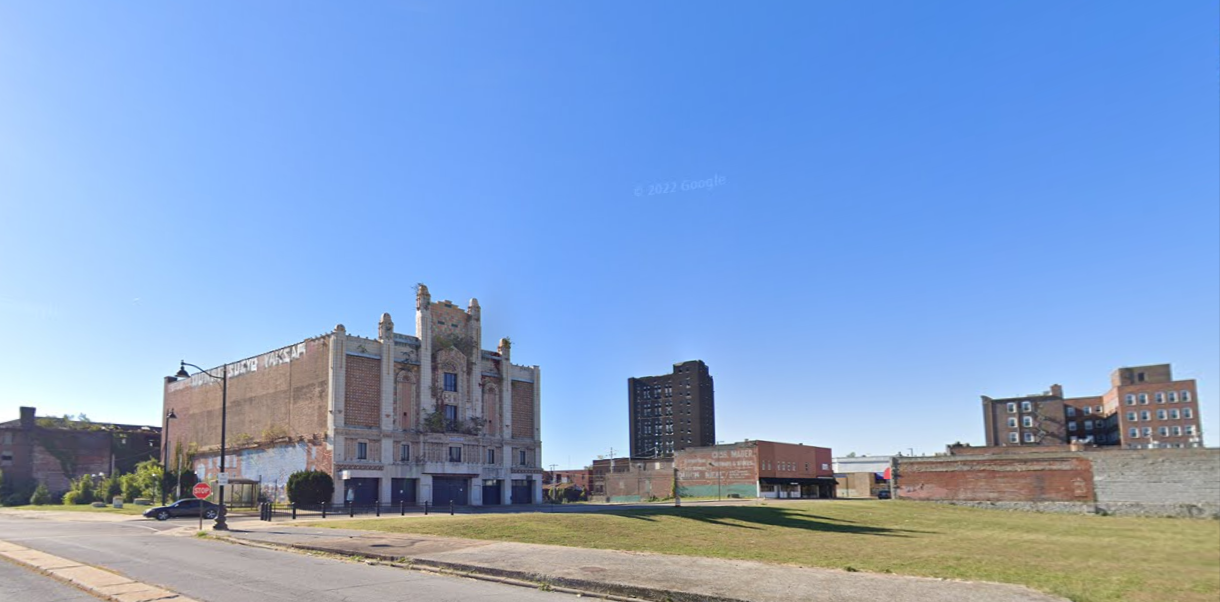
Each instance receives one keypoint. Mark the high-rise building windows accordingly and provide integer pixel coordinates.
(1145, 415)
(1012, 438)
(1027, 421)
(1029, 437)
(1160, 397)
(1027, 406)
(1144, 398)
(1133, 432)
(1012, 407)
(1130, 399)
(1161, 415)
(1187, 413)
(1186, 396)
(1131, 416)
(1173, 397)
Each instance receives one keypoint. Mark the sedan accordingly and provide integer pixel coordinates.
(188, 507)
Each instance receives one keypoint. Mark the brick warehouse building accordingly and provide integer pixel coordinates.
(400, 418)
(672, 411)
(1144, 408)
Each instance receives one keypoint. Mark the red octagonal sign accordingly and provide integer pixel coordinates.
(202, 490)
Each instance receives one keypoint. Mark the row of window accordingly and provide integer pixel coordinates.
(1160, 397)
(1015, 437)
(1164, 431)
(1087, 410)
(455, 453)
(1173, 414)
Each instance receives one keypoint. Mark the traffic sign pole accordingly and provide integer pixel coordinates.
(201, 491)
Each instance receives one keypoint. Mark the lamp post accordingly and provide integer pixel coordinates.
(165, 454)
(718, 477)
(221, 524)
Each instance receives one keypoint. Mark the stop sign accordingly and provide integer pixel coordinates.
(202, 490)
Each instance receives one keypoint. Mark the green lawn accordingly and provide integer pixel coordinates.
(1083, 558)
(126, 509)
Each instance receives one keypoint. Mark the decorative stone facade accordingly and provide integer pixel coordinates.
(404, 418)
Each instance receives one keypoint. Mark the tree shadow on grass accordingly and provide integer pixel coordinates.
(759, 517)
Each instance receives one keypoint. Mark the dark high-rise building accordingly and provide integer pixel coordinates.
(672, 411)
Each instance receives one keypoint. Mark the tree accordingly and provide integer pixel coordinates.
(143, 482)
(41, 496)
(310, 487)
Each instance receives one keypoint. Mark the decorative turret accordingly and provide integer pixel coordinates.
(473, 310)
(422, 298)
(505, 349)
(385, 328)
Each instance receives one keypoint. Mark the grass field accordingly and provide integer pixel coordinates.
(126, 509)
(1082, 558)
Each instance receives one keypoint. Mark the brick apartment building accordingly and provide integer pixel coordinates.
(1144, 408)
(671, 412)
(401, 418)
(54, 451)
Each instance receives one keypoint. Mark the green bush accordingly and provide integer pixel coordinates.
(309, 487)
(81, 491)
(41, 496)
(144, 482)
(109, 488)
(171, 483)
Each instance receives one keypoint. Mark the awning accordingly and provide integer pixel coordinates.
(798, 481)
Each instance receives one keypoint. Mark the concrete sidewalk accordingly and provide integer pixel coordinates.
(99, 582)
(639, 575)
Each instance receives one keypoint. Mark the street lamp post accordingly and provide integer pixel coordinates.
(221, 524)
(718, 477)
(165, 454)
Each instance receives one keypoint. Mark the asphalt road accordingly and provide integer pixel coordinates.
(213, 571)
(18, 583)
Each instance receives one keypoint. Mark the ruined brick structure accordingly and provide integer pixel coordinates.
(400, 418)
(54, 451)
(1144, 408)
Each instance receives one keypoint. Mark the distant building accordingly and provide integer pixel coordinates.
(749, 469)
(54, 451)
(1144, 408)
(671, 412)
(862, 476)
(394, 419)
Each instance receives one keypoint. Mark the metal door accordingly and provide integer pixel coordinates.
(402, 491)
(491, 492)
(522, 491)
(446, 489)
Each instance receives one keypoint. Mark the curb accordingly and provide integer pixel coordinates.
(606, 591)
(99, 582)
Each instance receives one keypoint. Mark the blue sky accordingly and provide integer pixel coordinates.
(918, 203)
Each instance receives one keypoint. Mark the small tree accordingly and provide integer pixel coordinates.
(41, 496)
(309, 487)
(81, 491)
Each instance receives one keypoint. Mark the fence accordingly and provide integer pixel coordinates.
(268, 511)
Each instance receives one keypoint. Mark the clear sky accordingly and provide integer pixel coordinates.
(914, 203)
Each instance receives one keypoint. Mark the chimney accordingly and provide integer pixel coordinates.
(1057, 391)
(27, 418)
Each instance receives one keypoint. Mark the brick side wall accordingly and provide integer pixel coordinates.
(85, 452)
(523, 410)
(362, 400)
(1029, 478)
(283, 393)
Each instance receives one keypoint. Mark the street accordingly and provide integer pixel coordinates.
(215, 571)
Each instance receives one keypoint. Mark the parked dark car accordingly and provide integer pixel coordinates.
(884, 494)
(188, 507)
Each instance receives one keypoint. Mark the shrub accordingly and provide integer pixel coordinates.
(309, 487)
(41, 496)
(81, 491)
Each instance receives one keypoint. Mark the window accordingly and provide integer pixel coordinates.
(1088, 410)
(1012, 408)
(455, 453)
(1027, 421)
(1175, 414)
(1163, 431)
(6, 458)
(521, 458)
(1130, 400)
(1012, 422)
(1190, 429)
(1131, 416)
(1186, 396)
(1029, 437)
(404, 452)
(1098, 409)
(491, 456)
(450, 413)
(451, 381)
(1139, 376)
(1026, 406)
(1144, 398)
(1161, 415)
(1187, 413)
(1147, 431)
(362, 450)
(1133, 432)
(1072, 425)
(1173, 397)
(1160, 397)
(1071, 411)
(1177, 431)
(1012, 438)
(1145, 415)
(1088, 425)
